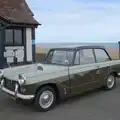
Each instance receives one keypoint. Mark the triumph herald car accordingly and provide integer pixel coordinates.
(65, 72)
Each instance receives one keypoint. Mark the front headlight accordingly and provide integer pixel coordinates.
(1, 74)
(21, 79)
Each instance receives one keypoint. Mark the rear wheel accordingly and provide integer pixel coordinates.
(45, 99)
(110, 82)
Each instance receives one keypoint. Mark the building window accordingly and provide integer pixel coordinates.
(9, 37)
(13, 37)
(18, 37)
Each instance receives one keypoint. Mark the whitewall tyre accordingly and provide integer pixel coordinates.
(110, 82)
(45, 99)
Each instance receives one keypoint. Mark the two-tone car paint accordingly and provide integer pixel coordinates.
(68, 80)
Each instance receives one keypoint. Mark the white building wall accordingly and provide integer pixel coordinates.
(29, 44)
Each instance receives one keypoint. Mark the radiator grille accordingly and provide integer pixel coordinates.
(10, 84)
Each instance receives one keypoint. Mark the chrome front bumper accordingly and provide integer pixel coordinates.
(118, 74)
(15, 93)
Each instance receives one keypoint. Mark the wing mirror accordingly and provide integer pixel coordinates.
(66, 62)
(39, 67)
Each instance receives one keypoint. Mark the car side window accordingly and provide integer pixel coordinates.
(77, 58)
(101, 55)
(86, 56)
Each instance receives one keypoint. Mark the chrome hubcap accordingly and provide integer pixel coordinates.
(110, 82)
(46, 99)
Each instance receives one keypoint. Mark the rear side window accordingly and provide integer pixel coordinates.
(84, 56)
(87, 56)
(101, 55)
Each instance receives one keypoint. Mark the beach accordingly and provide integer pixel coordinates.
(41, 52)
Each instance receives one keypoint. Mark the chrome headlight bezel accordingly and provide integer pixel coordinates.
(1, 74)
(21, 79)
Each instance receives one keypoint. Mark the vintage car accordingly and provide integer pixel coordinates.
(65, 72)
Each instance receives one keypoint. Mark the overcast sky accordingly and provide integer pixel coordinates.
(77, 20)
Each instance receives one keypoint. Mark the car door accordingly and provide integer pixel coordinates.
(102, 59)
(83, 73)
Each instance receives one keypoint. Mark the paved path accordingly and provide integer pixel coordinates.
(97, 105)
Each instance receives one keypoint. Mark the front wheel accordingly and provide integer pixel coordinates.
(110, 82)
(45, 99)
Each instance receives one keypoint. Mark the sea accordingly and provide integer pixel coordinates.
(54, 45)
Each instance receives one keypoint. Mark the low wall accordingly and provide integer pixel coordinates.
(40, 57)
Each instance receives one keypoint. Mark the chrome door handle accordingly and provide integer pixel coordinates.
(98, 67)
(98, 72)
(82, 74)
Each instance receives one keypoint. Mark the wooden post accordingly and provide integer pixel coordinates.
(119, 49)
(1, 49)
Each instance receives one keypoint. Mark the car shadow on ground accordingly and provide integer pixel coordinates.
(7, 104)
(89, 94)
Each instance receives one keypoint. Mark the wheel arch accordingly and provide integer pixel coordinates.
(54, 86)
(114, 73)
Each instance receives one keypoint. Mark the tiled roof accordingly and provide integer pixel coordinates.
(17, 11)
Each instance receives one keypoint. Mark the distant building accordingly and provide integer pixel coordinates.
(17, 33)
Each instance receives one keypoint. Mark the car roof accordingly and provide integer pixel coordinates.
(72, 47)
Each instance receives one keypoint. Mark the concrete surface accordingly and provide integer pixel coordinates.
(95, 105)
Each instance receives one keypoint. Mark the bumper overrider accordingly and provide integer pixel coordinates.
(119, 75)
(15, 93)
